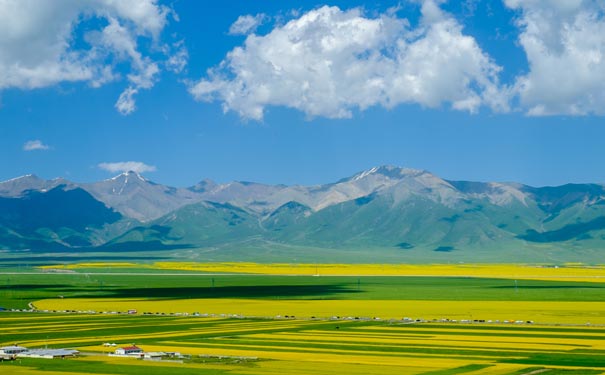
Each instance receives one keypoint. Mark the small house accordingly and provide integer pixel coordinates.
(129, 351)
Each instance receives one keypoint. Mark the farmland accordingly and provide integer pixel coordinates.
(567, 272)
(248, 346)
(282, 322)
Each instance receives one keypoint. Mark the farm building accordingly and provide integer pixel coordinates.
(129, 351)
(12, 350)
(154, 355)
(48, 353)
(22, 352)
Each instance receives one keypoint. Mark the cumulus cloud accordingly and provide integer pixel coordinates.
(329, 62)
(39, 46)
(247, 24)
(564, 41)
(34, 145)
(127, 166)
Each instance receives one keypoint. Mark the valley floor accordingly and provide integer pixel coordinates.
(244, 346)
(450, 320)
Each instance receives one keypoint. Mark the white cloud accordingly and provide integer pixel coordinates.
(178, 60)
(34, 145)
(39, 46)
(126, 103)
(329, 61)
(564, 41)
(247, 24)
(127, 166)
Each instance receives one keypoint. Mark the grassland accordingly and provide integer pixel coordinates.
(333, 331)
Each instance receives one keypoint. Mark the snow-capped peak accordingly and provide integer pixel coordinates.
(19, 178)
(127, 175)
(389, 171)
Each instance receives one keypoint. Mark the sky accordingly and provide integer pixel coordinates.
(303, 92)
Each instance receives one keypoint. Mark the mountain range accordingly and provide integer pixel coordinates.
(385, 214)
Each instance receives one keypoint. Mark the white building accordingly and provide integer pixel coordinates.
(49, 353)
(156, 356)
(129, 351)
(12, 350)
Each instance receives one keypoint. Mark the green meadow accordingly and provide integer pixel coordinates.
(17, 290)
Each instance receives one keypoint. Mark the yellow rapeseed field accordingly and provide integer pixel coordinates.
(570, 272)
(24, 370)
(537, 311)
(461, 341)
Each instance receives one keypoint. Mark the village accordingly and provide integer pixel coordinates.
(12, 352)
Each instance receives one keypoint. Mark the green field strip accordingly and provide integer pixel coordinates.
(590, 351)
(143, 333)
(559, 371)
(503, 327)
(569, 360)
(64, 325)
(405, 348)
(369, 344)
(360, 349)
(436, 337)
(99, 367)
(504, 334)
(335, 351)
(150, 327)
(353, 335)
(368, 337)
(525, 371)
(19, 288)
(459, 370)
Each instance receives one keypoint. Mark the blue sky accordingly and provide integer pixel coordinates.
(474, 90)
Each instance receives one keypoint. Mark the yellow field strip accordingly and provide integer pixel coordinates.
(53, 327)
(305, 367)
(570, 272)
(23, 370)
(492, 343)
(316, 357)
(128, 338)
(369, 350)
(302, 350)
(412, 329)
(289, 367)
(538, 311)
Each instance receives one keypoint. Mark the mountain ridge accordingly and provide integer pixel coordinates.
(392, 209)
